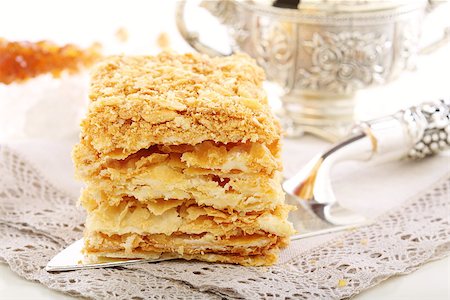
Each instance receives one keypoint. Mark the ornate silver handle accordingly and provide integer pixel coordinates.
(429, 126)
(415, 132)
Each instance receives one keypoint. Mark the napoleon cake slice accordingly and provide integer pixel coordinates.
(181, 158)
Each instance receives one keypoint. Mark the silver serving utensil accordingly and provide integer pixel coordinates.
(72, 258)
(415, 133)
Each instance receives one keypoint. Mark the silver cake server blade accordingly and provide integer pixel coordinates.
(72, 258)
(308, 224)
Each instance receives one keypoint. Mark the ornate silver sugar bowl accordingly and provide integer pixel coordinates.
(321, 53)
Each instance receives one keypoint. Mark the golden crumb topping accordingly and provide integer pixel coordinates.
(139, 101)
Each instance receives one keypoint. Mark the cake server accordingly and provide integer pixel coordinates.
(415, 132)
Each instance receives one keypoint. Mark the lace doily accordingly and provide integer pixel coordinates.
(37, 220)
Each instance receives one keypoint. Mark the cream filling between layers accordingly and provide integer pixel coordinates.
(236, 191)
(248, 250)
(185, 217)
(222, 176)
(226, 158)
(182, 243)
(266, 259)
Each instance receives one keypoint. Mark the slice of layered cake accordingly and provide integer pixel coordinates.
(181, 157)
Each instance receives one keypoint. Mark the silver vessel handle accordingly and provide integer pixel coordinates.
(192, 38)
(439, 43)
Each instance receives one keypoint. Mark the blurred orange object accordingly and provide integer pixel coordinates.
(20, 61)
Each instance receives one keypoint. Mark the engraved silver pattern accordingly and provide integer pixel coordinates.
(345, 61)
(275, 51)
(312, 53)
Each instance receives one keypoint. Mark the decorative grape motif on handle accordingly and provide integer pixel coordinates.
(429, 126)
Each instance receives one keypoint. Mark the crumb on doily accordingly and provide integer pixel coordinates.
(342, 283)
(122, 34)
